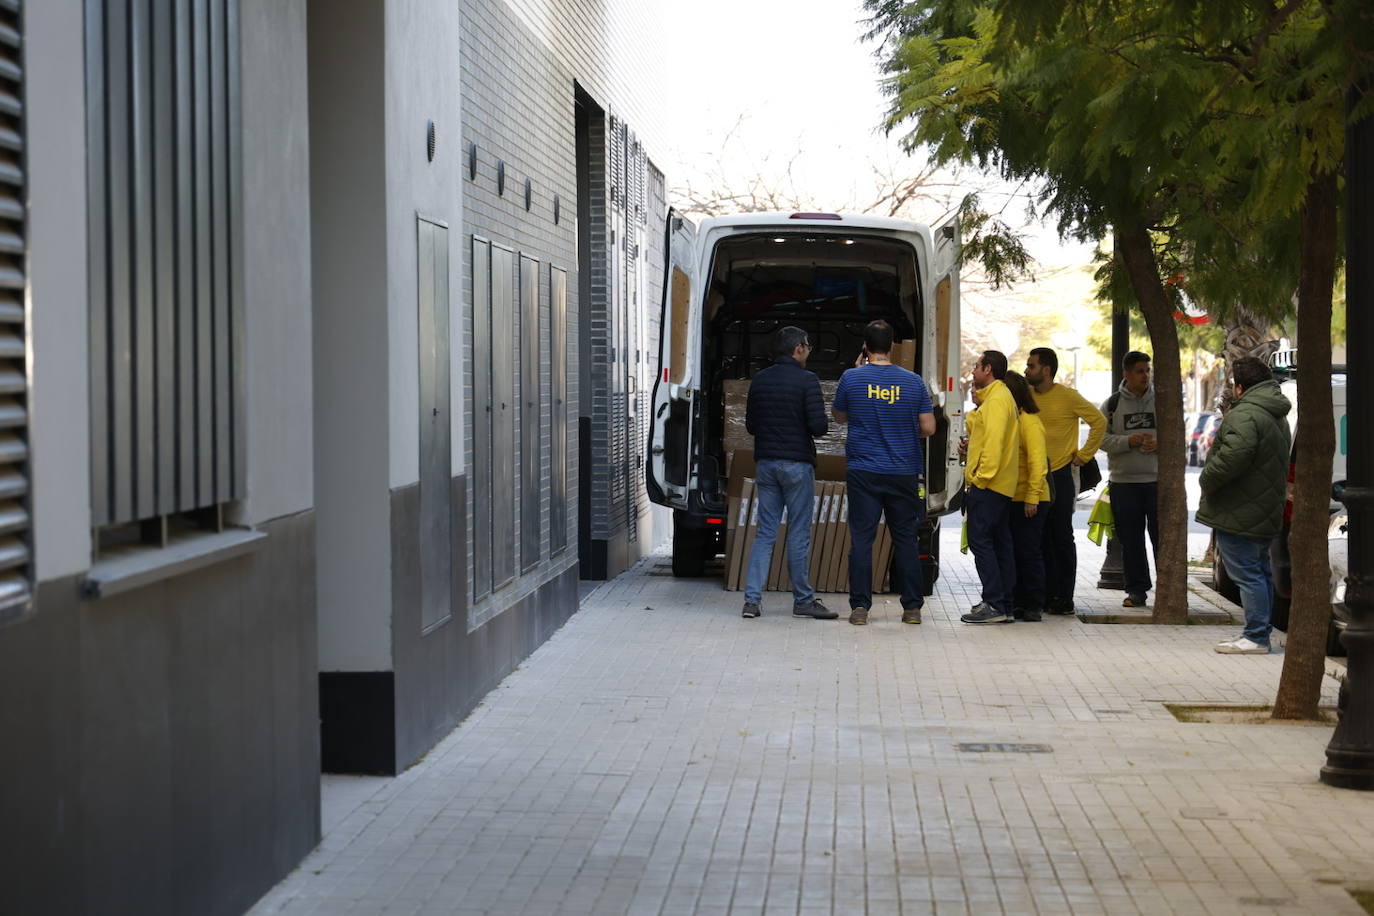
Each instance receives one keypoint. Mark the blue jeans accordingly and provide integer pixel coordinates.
(989, 540)
(899, 497)
(778, 485)
(1247, 563)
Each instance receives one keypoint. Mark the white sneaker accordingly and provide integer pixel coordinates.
(1242, 646)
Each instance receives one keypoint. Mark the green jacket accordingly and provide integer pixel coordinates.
(1245, 480)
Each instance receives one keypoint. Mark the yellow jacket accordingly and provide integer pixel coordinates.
(1060, 410)
(993, 441)
(1030, 476)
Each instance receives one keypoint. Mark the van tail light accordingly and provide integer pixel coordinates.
(815, 216)
(665, 373)
(715, 521)
(1288, 497)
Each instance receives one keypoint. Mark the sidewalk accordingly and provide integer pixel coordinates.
(660, 754)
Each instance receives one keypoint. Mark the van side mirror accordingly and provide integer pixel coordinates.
(1338, 491)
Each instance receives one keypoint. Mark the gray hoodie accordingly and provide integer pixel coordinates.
(1132, 415)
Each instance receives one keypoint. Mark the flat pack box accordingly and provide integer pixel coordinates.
(740, 501)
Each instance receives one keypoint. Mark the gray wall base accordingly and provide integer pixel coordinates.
(382, 722)
(162, 746)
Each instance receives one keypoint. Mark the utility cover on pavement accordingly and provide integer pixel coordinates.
(979, 747)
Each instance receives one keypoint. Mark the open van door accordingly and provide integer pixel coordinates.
(944, 471)
(669, 468)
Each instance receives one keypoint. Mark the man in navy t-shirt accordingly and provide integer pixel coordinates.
(889, 412)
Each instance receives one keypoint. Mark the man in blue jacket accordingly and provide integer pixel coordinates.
(785, 415)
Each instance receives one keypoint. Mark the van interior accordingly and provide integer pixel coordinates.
(829, 284)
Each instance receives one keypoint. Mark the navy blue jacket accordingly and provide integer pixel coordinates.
(786, 412)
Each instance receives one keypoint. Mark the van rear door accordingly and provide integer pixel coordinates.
(670, 472)
(942, 313)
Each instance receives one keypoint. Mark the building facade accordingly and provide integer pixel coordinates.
(325, 343)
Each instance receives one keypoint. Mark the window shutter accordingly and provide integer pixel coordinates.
(16, 561)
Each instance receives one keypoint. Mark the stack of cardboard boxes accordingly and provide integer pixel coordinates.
(830, 541)
(829, 558)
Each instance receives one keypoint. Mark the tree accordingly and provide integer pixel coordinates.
(1240, 157)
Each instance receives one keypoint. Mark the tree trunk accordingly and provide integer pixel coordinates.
(1171, 589)
(1309, 614)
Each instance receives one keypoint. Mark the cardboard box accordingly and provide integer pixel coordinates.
(739, 525)
(818, 531)
(736, 436)
(904, 354)
(839, 547)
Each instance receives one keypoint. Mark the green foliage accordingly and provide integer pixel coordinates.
(1209, 119)
(991, 243)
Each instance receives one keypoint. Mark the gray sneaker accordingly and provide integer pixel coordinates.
(858, 616)
(985, 613)
(751, 609)
(815, 610)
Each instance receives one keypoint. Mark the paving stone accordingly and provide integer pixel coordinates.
(684, 760)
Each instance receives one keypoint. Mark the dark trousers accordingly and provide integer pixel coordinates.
(1061, 556)
(1027, 536)
(989, 539)
(1134, 511)
(898, 496)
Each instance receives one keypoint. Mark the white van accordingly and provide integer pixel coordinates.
(731, 283)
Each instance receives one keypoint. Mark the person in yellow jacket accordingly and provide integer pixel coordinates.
(1061, 409)
(989, 485)
(1030, 505)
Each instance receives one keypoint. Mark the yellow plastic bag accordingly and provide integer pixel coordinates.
(1101, 522)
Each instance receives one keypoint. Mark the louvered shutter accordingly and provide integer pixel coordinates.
(16, 560)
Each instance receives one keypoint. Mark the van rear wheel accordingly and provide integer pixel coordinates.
(690, 547)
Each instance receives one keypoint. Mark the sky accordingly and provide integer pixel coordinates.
(757, 85)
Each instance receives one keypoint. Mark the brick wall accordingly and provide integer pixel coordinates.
(520, 63)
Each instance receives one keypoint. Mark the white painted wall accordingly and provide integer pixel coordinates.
(351, 381)
(276, 247)
(422, 85)
(58, 294)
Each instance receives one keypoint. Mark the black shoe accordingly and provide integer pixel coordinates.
(1062, 607)
(814, 610)
(1135, 600)
(1030, 615)
(986, 613)
(1018, 613)
(751, 610)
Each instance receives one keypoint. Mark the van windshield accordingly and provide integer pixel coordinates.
(830, 284)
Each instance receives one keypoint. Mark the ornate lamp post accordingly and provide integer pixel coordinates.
(1350, 755)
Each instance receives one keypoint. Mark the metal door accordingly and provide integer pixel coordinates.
(482, 416)
(436, 506)
(502, 321)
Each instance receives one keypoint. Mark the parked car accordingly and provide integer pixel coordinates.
(1280, 560)
(1207, 438)
(1194, 424)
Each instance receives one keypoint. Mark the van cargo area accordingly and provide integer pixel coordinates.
(730, 288)
(828, 284)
